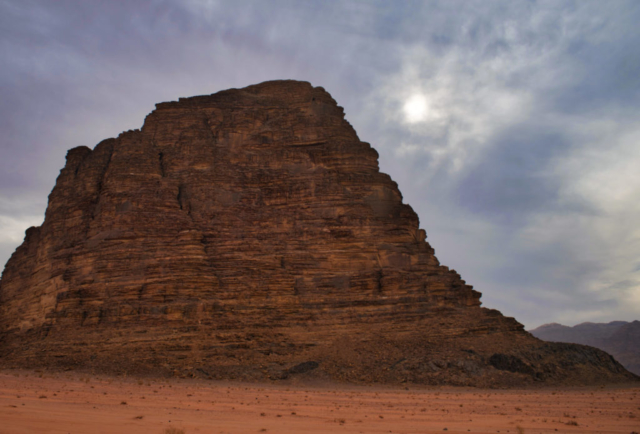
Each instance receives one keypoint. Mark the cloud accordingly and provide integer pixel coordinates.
(518, 150)
(528, 133)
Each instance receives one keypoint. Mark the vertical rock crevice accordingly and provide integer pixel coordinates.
(163, 172)
(101, 178)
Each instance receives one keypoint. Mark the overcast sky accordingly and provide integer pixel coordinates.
(511, 127)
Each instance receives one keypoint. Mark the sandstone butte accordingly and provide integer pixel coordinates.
(250, 235)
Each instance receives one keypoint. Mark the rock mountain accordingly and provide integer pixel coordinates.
(621, 339)
(249, 235)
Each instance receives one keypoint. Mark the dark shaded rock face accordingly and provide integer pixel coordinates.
(249, 234)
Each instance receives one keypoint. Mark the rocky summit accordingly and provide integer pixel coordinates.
(250, 235)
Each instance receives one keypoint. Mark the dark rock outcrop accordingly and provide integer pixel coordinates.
(243, 235)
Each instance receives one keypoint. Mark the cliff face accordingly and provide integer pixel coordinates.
(249, 234)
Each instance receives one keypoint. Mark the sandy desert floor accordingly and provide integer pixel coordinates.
(41, 402)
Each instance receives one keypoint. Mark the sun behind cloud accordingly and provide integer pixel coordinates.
(415, 108)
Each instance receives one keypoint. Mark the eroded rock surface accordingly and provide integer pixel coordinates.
(249, 234)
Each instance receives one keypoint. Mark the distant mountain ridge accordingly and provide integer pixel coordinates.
(621, 339)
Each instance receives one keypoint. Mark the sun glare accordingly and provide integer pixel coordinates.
(415, 108)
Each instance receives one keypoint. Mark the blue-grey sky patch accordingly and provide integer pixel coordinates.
(510, 126)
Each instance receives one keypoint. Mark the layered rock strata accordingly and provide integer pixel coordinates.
(250, 234)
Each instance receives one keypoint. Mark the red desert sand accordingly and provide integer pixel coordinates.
(42, 402)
